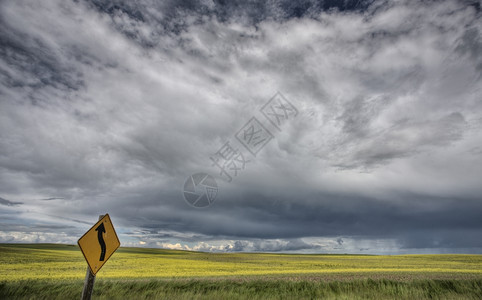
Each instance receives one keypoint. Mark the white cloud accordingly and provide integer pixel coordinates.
(36, 237)
(176, 246)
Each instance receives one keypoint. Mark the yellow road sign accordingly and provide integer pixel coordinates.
(99, 243)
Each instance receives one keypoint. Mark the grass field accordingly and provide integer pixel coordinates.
(46, 271)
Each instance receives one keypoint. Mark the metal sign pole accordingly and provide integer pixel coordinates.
(89, 281)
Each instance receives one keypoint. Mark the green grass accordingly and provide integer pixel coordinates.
(251, 289)
(47, 271)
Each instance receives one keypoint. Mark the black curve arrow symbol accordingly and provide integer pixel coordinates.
(101, 229)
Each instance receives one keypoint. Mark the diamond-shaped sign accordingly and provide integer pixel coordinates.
(99, 243)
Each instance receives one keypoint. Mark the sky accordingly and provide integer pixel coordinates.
(315, 126)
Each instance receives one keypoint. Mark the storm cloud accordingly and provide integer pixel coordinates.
(109, 106)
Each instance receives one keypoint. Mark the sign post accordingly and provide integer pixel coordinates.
(97, 246)
(88, 285)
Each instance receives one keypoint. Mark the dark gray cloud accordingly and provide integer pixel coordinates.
(8, 203)
(52, 199)
(110, 105)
